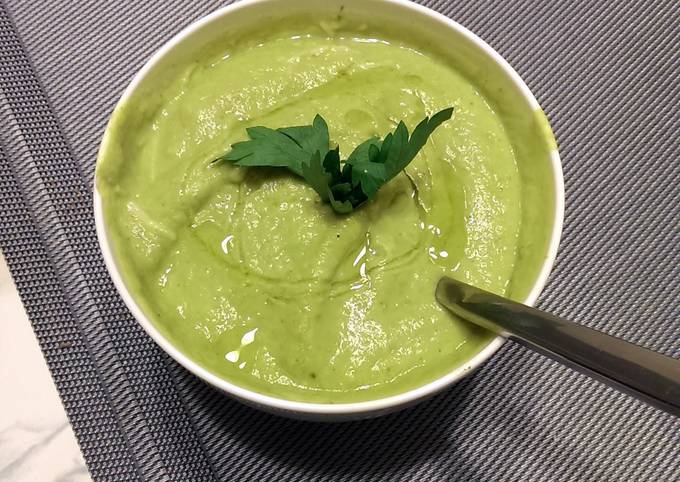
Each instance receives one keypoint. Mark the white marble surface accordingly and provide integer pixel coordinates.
(36, 440)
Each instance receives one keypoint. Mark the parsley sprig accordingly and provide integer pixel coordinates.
(306, 151)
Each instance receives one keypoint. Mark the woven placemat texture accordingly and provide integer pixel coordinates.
(607, 75)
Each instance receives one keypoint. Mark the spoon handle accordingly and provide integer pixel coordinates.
(642, 373)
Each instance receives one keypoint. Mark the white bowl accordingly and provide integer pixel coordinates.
(449, 39)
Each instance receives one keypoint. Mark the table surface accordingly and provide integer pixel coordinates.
(606, 75)
(36, 439)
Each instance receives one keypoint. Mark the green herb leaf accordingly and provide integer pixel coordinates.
(305, 150)
(341, 207)
(420, 135)
(361, 153)
(319, 174)
(267, 147)
(310, 138)
(331, 165)
(286, 147)
(370, 176)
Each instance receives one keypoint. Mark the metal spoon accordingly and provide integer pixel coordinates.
(642, 373)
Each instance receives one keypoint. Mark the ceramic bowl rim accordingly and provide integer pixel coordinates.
(380, 405)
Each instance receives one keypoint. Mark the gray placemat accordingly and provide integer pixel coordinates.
(607, 75)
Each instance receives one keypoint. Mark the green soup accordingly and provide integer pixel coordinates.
(248, 273)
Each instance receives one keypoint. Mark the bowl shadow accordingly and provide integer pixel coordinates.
(383, 448)
(479, 427)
